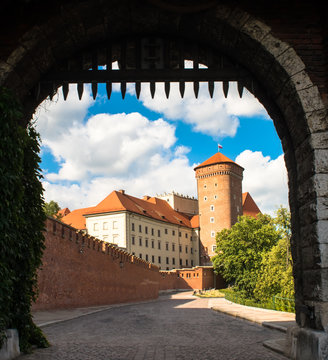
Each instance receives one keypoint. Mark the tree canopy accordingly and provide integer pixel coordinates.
(51, 209)
(254, 256)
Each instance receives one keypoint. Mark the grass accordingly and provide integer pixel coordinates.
(210, 294)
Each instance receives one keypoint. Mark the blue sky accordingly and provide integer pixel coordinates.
(149, 146)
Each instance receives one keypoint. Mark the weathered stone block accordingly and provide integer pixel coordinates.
(321, 161)
(321, 184)
(291, 62)
(10, 348)
(311, 99)
(318, 120)
(256, 29)
(315, 281)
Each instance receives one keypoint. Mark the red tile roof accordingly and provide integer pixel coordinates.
(195, 221)
(63, 212)
(249, 206)
(76, 219)
(215, 159)
(119, 201)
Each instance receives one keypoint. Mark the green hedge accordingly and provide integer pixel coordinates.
(275, 303)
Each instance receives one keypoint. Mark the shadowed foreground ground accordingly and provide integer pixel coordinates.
(178, 328)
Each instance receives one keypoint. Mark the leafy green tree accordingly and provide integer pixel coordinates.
(51, 209)
(240, 251)
(276, 274)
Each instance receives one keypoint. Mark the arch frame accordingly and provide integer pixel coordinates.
(291, 98)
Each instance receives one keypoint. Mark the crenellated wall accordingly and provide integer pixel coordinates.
(79, 270)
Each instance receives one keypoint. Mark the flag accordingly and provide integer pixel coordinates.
(219, 147)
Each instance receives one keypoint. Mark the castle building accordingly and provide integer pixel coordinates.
(219, 187)
(171, 230)
(148, 228)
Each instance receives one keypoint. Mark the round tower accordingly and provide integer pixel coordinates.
(219, 187)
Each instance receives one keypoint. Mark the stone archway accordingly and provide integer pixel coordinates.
(286, 90)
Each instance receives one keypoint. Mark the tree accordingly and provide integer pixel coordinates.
(276, 275)
(51, 209)
(240, 251)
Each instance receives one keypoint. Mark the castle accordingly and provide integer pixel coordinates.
(171, 230)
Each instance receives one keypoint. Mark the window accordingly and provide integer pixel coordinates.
(192, 264)
(133, 253)
(152, 232)
(186, 236)
(146, 229)
(167, 268)
(190, 237)
(140, 255)
(165, 231)
(191, 250)
(212, 219)
(212, 207)
(180, 248)
(173, 247)
(146, 242)
(173, 261)
(105, 237)
(167, 246)
(159, 245)
(132, 240)
(159, 259)
(115, 225)
(140, 241)
(167, 260)
(179, 233)
(95, 226)
(186, 249)
(146, 257)
(213, 248)
(105, 226)
(215, 185)
(132, 226)
(205, 198)
(159, 233)
(187, 262)
(140, 228)
(212, 233)
(180, 262)
(205, 186)
(152, 258)
(173, 232)
(115, 239)
(152, 244)
(215, 197)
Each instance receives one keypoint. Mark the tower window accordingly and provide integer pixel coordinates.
(212, 233)
(215, 197)
(212, 207)
(205, 186)
(205, 198)
(212, 219)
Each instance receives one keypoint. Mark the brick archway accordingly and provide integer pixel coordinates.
(286, 90)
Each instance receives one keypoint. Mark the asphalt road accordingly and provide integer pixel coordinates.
(181, 328)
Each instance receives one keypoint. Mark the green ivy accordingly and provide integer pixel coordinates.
(22, 222)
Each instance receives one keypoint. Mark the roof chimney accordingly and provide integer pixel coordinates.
(146, 197)
(121, 191)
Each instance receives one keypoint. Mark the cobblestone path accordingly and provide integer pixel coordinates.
(168, 329)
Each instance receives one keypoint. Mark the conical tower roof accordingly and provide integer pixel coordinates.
(216, 159)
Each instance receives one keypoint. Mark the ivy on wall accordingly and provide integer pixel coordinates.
(21, 223)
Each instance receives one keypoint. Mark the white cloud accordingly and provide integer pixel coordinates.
(217, 117)
(265, 179)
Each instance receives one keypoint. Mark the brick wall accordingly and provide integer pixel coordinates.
(79, 270)
(197, 278)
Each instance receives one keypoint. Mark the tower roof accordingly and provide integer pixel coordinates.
(216, 159)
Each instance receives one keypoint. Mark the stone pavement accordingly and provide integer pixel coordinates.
(171, 328)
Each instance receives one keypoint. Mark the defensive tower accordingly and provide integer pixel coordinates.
(219, 187)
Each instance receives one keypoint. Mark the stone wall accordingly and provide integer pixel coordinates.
(79, 270)
(198, 278)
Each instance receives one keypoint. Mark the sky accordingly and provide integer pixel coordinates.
(151, 146)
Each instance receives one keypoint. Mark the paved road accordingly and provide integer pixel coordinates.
(181, 328)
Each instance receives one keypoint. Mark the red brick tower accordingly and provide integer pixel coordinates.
(219, 186)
